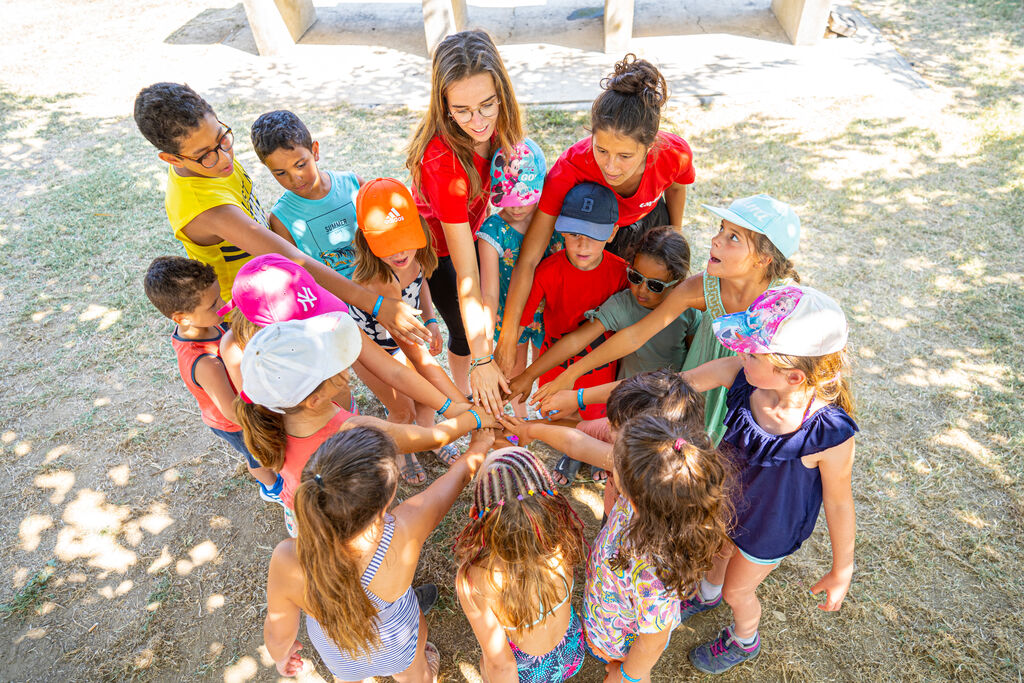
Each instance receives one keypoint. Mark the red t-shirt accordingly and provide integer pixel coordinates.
(669, 162)
(442, 194)
(189, 352)
(568, 293)
(298, 451)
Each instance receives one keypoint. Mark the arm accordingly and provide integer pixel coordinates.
(643, 655)
(571, 441)
(538, 236)
(715, 373)
(379, 362)
(497, 663)
(212, 377)
(427, 304)
(278, 227)
(675, 200)
(230, 223)
(411, 438)
(421, 514)
(486, 380)
(489, 279)
(688, 294)
(836, 466)
(281, 627)
(562, 350)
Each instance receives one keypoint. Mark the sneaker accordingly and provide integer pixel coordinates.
(695, 605)
(723, 653)
(273, 494)
(289, 523)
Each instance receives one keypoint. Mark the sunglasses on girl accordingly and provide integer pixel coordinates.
(653, 286)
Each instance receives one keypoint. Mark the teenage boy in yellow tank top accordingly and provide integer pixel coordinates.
(215, 214)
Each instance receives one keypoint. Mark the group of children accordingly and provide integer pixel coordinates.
(717, 406)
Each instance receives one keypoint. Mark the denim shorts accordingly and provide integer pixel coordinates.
(237, 442)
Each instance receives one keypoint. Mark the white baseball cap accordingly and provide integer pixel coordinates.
(283, 363)
(792, 320)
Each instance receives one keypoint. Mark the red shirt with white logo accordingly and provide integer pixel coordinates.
(442, 194)
(669, 161)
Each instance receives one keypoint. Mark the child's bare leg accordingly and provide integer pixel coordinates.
(263, 475)
(742, 577)
(419, 671)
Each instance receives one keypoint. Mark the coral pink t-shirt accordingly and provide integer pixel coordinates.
(669, 162)
(299, 450)
(442, 194)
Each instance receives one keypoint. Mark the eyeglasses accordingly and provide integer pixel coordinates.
(654, 286)
(488, 111)
(209, 160)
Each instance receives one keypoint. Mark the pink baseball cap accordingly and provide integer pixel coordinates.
(271, 289)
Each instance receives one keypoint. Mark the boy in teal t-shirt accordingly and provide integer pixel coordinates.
(317, 212)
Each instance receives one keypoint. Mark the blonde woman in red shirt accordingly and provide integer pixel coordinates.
(472, 113)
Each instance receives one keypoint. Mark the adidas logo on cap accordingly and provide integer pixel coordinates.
(393, 217)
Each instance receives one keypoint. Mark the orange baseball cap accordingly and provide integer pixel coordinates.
(387, 215)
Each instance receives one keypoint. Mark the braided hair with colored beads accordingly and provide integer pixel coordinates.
(522, 530)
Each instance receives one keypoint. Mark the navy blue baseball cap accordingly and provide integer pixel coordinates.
(589, 209)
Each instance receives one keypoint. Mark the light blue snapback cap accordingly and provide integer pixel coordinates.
(766, 215)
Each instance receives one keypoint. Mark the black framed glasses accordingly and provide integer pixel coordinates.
(210, 159)
(488, 111)
(654, 286)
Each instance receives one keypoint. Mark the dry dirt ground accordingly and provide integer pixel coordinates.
(135, 548)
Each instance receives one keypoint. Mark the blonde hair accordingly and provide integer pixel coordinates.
(371, 268)
(827, 375)
(346, 485)
(523, 529)
(460, 56)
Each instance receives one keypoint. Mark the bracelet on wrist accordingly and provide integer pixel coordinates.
(579, 399)
(479, 423)
(626, 676)
(376, 306)
(443, 409)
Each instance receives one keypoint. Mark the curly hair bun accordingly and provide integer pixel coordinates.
(638, 77)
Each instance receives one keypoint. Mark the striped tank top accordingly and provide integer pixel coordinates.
(398, 623)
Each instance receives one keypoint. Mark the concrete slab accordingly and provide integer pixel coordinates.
(375, 53)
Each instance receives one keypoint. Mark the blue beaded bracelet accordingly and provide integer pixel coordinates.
(479, 423)
(579, 399)
(376, 306)
(627, 676)
(445, 407)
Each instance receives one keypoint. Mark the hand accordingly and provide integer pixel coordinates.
(562, 382)
(835, 587)
(520, 386)
(564, 403)
(488, 384)
(505, 351)
(291, 665)
(399, 319)
(516, 426)
(436, 341)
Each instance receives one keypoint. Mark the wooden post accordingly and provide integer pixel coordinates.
(442, 18)
(618, 25)
(804, 21)
(278, 24)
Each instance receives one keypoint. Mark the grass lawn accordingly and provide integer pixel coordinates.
(136, 548)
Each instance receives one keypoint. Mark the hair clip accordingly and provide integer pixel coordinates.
(319, 481)
(678, 445)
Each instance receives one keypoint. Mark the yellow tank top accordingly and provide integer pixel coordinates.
(186, 198)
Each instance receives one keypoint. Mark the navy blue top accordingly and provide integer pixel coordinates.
(778, 498)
